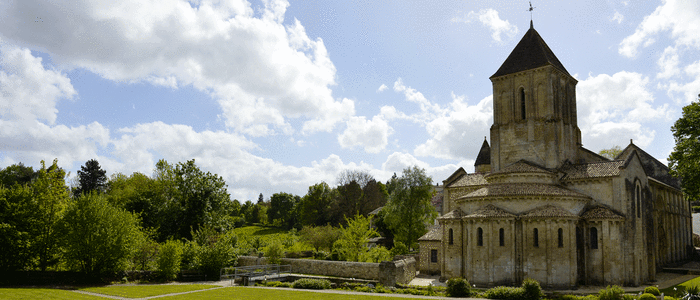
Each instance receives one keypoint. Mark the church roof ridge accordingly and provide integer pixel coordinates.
(592, 170)
(434, 234)
(522, 166)
(522, 189)
(530, 53)
(601, 212)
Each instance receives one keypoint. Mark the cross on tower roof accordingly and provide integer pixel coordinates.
(530, 10)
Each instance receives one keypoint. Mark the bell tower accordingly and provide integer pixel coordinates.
(534, 107)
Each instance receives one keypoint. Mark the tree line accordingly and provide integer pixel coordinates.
(126, 221)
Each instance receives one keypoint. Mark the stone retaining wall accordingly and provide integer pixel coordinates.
(388, 273)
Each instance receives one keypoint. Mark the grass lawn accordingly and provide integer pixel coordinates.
(141, 291)
(29, 293)
(281, 294)
(680, 289)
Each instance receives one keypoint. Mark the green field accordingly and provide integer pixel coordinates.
(29, 293)
(680, 288)
(152, 290)
(141, 291)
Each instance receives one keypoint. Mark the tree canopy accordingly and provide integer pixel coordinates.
(611, 153)
(91, 177)
(409, 212)
(684, 161)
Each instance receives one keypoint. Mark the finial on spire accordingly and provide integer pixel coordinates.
(530, 10)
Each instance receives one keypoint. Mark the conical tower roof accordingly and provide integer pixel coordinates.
(531, 52)
(484, 157)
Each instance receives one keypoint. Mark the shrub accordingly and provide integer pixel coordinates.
(611, 293)
(376, 254)
(532, 290)
(274, 284)
(504, 292)
(692, 290)
(574, 297)
(458, 287)
(652, 290)
(399, 249)
(647, 296)
(313, 284)
(169, 259)
(274, 252)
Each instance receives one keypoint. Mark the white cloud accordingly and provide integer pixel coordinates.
(668, 63)
(373, 134)
(490, 19)
(681, 18)
(261, 71)
(456, 134)
(618, 17)
(689, 90)
(613, 109)
(429, 110)
(382, 88)
(28, 97)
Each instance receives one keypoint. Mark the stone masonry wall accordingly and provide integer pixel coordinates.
(387, 273)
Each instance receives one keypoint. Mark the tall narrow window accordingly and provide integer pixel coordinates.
(639, 200)
(594, 238)
(501, 237)
(535, 238)
(560, 235)
(479, 237)
(451, 238)
(433, 255)
(522, 103)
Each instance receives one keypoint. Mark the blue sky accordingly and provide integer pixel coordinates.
(275, 96)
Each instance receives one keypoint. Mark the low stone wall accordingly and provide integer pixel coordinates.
(388, 273)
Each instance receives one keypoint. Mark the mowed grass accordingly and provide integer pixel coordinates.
(141, 291)
(244, 293)
(680, 288)
(35, 293)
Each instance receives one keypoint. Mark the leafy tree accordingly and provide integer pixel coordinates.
(352, 243)
(91, 178)
(315, 206)
(193, 198)
(145, 251)
(143, 196)
(611, 153)
(409, 212)
(359, 194)
(684, 161)
(360, 177)
(51, 196)
(214, 250)
(17, 227)
(282, 211)
(320, 237)
(16, 174)
(98, 237)
(169, 258)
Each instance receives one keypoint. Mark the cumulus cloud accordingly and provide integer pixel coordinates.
(28, 97)
(490, 19)
(681, 18)
(373, 134)
(261, 71)
(456, 133)
(688, 90)
(612, 109)
(382, 88)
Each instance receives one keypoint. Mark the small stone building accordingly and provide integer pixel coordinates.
(542, 206)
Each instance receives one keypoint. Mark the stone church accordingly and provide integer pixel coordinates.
(542, 206)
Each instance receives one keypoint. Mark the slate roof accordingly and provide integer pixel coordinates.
(455, 214)
(522, 166)
(600, 213)
(434, 234)
(522, 189)
(469, 180)
(548, 211)
(531, 52)
(484, 157)
(592, 170)
(489, 211)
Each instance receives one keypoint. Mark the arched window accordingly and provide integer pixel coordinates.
(451, 238)
(594, 238)
(560, 236)
(535, 238)
(479, 237)
(522, 103)
(501, 237)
